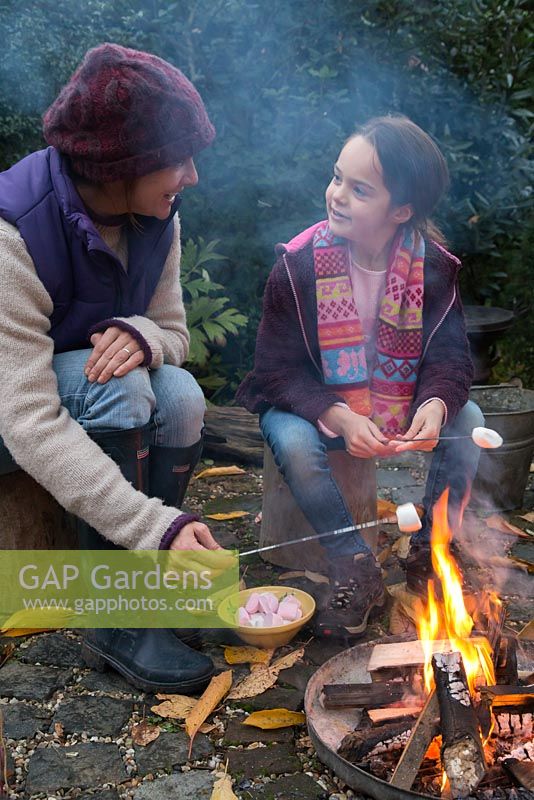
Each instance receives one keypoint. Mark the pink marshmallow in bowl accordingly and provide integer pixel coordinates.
(257, 620)
(268, 602)
(253, 603)
(243, 617)
(288, 610)
(290, 598)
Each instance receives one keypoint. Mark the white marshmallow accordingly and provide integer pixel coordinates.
(273, 620)
(408, 518)
(486, 438)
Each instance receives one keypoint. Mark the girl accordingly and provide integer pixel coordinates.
(362, 345)
(95, 405)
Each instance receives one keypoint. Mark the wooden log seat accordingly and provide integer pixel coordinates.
(282, 519)
(30, 518)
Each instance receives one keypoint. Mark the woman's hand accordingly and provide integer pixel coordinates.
(194, 536)
(362, 437)
(115, 353)
(426, 424)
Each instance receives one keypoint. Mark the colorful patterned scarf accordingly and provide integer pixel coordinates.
(387, 397)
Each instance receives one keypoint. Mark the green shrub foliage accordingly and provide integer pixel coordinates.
(285, 82)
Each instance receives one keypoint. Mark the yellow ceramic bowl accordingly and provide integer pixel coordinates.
(266, 637)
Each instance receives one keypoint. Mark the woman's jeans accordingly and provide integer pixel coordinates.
(169, 397)
(300, 453)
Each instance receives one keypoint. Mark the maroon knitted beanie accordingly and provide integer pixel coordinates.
(125, 113)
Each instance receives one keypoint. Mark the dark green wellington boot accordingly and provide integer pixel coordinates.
(170, 471)
(155, 659)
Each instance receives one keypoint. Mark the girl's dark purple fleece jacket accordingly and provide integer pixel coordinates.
(287, 346)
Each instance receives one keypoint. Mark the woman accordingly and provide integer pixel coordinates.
(93, 331)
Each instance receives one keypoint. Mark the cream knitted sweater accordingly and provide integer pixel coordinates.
(40, 434)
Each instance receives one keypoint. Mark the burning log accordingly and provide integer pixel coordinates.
(462, 754)
(506, 661)
(356, 745)
(363, 695)
(422, 734)
(523, 772)
(521, 698)
(410, 654)
(495, 628)
(484, 716)
(380, 715)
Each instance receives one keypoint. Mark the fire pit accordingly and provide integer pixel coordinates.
(328, 727)
(444, 715)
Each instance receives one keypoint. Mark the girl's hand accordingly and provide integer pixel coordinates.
(426, 424)
(364, 440)
(362, 437)
(194, 536)
(115, 353)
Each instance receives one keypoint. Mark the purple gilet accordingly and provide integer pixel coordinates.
(85, 279)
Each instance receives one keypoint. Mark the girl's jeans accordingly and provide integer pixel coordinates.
(169, 397)
(299, 451)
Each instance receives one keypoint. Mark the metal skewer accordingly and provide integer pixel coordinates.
(431, 439)
(349, 529)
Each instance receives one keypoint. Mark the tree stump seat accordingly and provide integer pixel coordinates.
(282, 519)
(30, 518)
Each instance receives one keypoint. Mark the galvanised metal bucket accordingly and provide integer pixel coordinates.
(503, 474)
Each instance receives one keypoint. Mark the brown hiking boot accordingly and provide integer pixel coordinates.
(419, 569)
(356, 587)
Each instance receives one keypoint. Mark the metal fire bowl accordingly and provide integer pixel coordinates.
(328, 727)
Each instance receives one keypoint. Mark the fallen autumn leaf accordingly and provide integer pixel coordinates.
(219, 472)
(273, 718)
(217, 688)
(144, 732)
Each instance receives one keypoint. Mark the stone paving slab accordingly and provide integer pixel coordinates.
(409, 494)
(237, 733)
(110, 682)
(274, 760)
(53, 768)
(22, 721)
(194, 785)
(411, 459)
(395, 478)
(320, 651)
(170, 750)
(97, 716)
(277, 697)
(53, 649)
(288, 787)
(297, 676)
(28, 682)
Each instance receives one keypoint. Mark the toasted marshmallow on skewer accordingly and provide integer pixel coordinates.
(486, 438)
(408, 518)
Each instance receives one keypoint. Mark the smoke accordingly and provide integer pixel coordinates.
(285, 83)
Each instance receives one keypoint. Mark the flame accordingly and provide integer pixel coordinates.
(447, 618)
